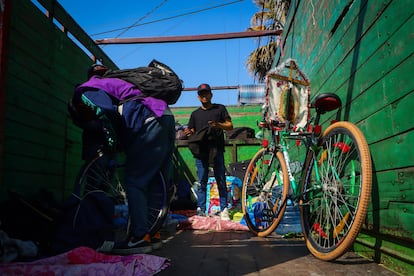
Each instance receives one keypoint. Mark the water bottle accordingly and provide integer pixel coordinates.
(121, 215)
(194, 191)
(290, 222)
(277, 192)
(259, 135)
(258, 212)
(229, 198)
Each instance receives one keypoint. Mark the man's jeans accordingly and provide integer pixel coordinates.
(219, 174)
(150, 151)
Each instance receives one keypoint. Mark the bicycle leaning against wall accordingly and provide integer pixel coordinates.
(332, 185)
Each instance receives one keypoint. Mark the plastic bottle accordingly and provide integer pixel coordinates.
(121, 215)
(230, 197)
(194, 191)
(290, 222)
(257, 211)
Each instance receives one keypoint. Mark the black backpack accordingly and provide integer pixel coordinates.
(156, 80)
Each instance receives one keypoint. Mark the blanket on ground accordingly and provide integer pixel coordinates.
(86, 261)
(211, 223)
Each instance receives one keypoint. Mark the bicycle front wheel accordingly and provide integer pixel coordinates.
(105, 173)
(336, 191)
(101, 173)
(264, 192)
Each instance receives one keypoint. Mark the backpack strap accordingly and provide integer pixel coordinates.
(136, 97)
(121, 103)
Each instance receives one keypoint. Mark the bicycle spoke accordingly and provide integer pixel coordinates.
(332, 201)
(263, 193)
(105, 174)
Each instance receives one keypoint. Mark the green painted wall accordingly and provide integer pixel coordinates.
(363, 51)
(42, 65)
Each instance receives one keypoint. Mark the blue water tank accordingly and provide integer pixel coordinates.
(290, 222)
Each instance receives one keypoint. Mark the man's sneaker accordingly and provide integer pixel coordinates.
(106, 247)
(224, 215)
(200, 212)
(133, 246)
(156, 242)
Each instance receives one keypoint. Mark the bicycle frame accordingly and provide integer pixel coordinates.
(279, 142)
(281, 133)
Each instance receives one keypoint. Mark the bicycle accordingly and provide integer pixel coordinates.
(105, 172)
(332, 185)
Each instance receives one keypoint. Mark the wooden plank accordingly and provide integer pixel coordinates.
(387, 90)
(62, 79)
(188, 38)
(384, 57)
(19, 163)
(342, 44)
(29, 183)
(53, 120)
(369, 42)
(58, 12)
(393, 120)
(317, 32)
(44, 152)
(45, 126)
(383, 249)
(397, 83)
(392, 153)
(370, 50)
(393, 186)
(397, 220)
(28, 79)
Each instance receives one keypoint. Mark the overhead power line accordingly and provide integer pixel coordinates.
(167, 18)
(142, 18)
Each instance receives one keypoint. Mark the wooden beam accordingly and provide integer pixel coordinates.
(187, 38)
(53, 8)
(213, 88)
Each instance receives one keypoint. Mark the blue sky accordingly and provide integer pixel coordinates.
(219, 62)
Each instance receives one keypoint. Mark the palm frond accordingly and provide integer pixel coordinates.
(271, 16)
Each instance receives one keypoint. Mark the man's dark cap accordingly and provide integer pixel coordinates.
(97, 70)
(204, 87)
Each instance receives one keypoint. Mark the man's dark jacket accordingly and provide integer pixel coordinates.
(203, 145)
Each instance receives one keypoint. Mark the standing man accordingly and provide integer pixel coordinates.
(207, 124)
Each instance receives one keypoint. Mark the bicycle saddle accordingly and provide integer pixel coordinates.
(326, 102)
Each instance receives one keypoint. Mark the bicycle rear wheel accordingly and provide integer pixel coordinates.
(264, 192)
(336, 191)
(107, 174)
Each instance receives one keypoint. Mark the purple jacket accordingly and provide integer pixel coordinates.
(122, 90)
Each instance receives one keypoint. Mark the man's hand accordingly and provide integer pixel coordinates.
(227, 125)
(214, 124)
(188, 131)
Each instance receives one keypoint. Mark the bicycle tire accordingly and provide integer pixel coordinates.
(333, 212)
(106, 174)
(263, 197)
(99, 174)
